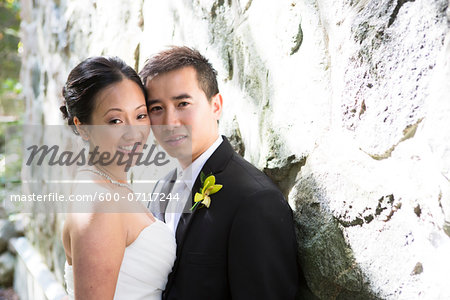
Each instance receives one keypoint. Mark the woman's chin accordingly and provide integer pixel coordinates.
(134, 157)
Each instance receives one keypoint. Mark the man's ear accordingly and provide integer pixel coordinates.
(84, 135)
(216, 104)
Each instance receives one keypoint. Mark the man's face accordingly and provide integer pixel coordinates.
(190, 120)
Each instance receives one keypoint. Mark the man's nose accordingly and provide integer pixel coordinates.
(171, 118)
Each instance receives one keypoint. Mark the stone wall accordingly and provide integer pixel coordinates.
(342, 103)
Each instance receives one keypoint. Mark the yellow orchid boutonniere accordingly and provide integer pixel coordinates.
(209, 187)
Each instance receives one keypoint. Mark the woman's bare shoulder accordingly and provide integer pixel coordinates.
(87, 222)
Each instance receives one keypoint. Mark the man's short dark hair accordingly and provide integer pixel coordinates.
(176, 58)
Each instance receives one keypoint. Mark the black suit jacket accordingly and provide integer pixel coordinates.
(243, 246)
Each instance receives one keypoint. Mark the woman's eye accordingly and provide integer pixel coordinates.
(184, 103)
(115, 121)
(142, 116)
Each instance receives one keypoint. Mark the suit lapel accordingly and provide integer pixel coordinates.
(187, 215)
(214, 165)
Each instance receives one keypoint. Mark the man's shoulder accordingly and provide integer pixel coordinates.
(240, 178)
(251, 189)
(246, 175)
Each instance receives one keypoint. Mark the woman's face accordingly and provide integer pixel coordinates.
(120, 120)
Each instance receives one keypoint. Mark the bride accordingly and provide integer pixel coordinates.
(113, 251)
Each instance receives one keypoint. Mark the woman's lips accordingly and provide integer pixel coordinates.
(129, 148)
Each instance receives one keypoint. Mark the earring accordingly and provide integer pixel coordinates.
(83, 134)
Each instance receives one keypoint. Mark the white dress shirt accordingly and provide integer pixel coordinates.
(183, 186)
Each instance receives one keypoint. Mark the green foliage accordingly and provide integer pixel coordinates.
(12, 5)
(10, 158)
(10, 85)
(9, 38)
(10, 88)
(10, 102)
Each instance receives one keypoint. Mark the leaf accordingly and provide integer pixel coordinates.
(202, 177)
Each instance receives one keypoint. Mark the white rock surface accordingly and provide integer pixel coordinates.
(343, 103)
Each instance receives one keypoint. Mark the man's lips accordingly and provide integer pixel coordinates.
(175, 140)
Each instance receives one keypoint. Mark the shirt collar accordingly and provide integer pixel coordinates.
(189, 174)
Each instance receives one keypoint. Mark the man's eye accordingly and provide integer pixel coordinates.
(184, 103)
(142, 116)
(115, 121)
(155, 108)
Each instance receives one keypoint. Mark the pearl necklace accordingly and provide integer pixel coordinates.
(125, 185)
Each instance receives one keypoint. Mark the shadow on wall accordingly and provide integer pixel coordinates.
(285, 171)
(326, 259)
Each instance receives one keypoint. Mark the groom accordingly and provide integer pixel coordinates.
(238, 242)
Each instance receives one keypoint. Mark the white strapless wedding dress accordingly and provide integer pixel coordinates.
(146, 265)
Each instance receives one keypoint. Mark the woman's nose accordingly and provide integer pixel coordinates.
(134, 133)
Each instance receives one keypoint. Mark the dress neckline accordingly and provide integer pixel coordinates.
(142, 231)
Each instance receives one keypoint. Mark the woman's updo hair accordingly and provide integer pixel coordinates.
(87, 79)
